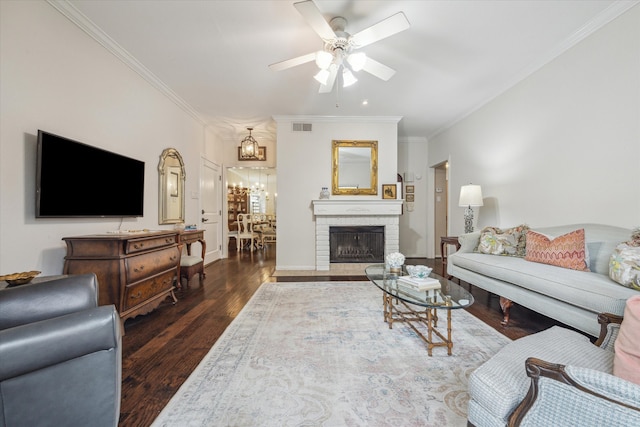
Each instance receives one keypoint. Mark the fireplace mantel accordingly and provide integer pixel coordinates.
(357, 207)
(350, 212)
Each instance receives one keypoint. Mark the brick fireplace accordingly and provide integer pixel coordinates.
(355, 213)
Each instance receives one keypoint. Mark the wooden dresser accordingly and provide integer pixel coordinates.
(136, 271)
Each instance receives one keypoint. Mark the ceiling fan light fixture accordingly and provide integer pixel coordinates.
(357, 61)
(348, 78)
(249, 147)
(322, 77)
(323, 59)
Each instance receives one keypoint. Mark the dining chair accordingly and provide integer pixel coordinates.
(245, 232)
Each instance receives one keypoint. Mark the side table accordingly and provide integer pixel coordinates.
(447, 240)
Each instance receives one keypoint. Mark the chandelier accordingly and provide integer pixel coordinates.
(249, 147)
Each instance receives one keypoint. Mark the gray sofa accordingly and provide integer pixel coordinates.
(60, 355)
(572, 297)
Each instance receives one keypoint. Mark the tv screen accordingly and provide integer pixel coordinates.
(77, 180)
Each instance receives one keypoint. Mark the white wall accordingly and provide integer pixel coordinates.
(304, 167)
(562, 146)
(57, 78)
(415, 225)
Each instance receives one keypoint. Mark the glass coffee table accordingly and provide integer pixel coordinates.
(419, 308)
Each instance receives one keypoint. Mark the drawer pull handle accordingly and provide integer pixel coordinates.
(169, 240)
(138, 245)
(173, 258)
(136, 296)
(139, 269)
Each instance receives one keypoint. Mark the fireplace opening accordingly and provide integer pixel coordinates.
(356, 244)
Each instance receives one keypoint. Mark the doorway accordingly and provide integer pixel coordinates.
(249, 190)
(211, 218)
(440, 203)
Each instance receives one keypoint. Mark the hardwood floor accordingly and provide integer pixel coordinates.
(162, 348)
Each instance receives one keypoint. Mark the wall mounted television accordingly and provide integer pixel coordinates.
(76, 180)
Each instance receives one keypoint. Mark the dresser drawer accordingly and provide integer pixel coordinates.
(145, 265)
(140, 292)
(148, 243)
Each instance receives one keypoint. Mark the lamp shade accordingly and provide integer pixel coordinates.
(348, 78)
(357, 60)
(470, 195)
(323, 59)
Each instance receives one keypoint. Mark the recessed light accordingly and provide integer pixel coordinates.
(365, 102)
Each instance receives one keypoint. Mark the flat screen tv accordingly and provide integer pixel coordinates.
(77, 180)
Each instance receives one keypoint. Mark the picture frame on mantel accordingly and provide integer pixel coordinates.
(262, 154)
(389, 191)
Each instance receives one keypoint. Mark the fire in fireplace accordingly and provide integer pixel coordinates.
(354, 244)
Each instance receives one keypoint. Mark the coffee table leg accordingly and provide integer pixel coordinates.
(429, 331)
(449, 342)
(388, 309)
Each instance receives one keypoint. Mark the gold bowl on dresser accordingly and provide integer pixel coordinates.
(19, 278)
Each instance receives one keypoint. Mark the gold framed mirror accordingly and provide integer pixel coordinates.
(354, 168)
(171, 176)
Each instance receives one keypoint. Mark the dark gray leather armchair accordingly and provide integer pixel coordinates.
(60, 355)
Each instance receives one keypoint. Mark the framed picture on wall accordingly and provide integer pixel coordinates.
(389, 191)
(410, 197)
(409, 188)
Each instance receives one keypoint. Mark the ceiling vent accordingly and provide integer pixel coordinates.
(302, 127)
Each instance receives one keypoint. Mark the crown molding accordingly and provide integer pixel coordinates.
(609, 14)
(95, 32)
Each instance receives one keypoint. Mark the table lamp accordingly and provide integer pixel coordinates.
(470, 195)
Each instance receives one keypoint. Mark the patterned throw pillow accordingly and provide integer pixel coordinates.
(624, 265)
(510, 242)
(566, 251)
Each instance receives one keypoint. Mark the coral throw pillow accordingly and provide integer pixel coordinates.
(626, 362)
(566, 251)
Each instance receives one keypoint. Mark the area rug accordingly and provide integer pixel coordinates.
(320, 354)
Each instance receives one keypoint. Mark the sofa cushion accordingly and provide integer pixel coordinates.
(501, 383)
(510, 241)
(626, 363)
(567, 251)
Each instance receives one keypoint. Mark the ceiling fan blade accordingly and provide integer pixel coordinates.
(293, 62)
(333, 72)
(383, 29)
(314, 18)
(379, 70)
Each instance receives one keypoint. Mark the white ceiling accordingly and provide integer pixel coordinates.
(213, 55)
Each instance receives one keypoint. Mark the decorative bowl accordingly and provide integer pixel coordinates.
(19, 278)
(419, 271)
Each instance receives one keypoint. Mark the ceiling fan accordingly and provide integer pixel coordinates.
(338, 55)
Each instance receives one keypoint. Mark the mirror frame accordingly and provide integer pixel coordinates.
(168, 158)
(335, 161)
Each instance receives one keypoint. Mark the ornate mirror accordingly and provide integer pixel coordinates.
(171, 179)
(355, 167)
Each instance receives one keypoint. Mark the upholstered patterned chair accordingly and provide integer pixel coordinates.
(578, 389)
